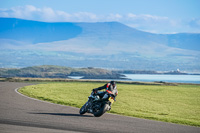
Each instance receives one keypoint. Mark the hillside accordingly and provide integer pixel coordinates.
(27, 43)
(36, 32)
(48, 71)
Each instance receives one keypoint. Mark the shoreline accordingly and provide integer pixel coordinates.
(20, 79)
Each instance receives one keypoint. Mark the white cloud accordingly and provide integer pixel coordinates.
(146, 22)
(84, 17)
(113, 17)
(195, 23)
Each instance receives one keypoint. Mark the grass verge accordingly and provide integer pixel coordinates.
(176, 104)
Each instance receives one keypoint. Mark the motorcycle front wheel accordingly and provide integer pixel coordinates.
(83, 109)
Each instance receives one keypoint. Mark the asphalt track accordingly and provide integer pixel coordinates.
(19, 114)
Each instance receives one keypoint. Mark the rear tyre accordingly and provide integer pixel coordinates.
(102, 110)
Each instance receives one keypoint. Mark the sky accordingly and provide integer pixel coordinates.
(156, 16)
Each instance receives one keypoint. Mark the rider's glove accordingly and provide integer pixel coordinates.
(94, 90)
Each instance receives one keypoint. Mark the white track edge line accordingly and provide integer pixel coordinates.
(16, 90)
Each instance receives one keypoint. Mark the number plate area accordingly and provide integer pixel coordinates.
(111, 100)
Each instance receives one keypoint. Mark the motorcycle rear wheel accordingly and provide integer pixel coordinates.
(102, 110)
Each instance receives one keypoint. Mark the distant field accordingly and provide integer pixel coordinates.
(177, 104)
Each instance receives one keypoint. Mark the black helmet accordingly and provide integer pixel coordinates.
(113, 83)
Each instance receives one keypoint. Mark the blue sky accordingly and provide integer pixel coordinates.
(157, 16)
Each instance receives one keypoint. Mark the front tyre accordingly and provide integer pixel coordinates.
(83, 109)
(102, 110)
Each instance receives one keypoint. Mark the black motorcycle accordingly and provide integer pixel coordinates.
(97, 105)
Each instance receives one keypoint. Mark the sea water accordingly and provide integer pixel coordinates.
(164, 78)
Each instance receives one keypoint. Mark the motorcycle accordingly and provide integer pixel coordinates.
(97, 105)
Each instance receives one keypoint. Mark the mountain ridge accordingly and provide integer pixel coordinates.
(92, 43)
(36, 32)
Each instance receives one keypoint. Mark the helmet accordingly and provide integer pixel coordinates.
(113, 83)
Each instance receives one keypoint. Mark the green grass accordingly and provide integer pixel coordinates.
(177, 104)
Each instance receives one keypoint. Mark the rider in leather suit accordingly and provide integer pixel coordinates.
(111, 88)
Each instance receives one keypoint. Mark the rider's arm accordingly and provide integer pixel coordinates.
(101, 88)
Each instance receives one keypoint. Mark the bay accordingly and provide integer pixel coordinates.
(75, 77)
(164, 78)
